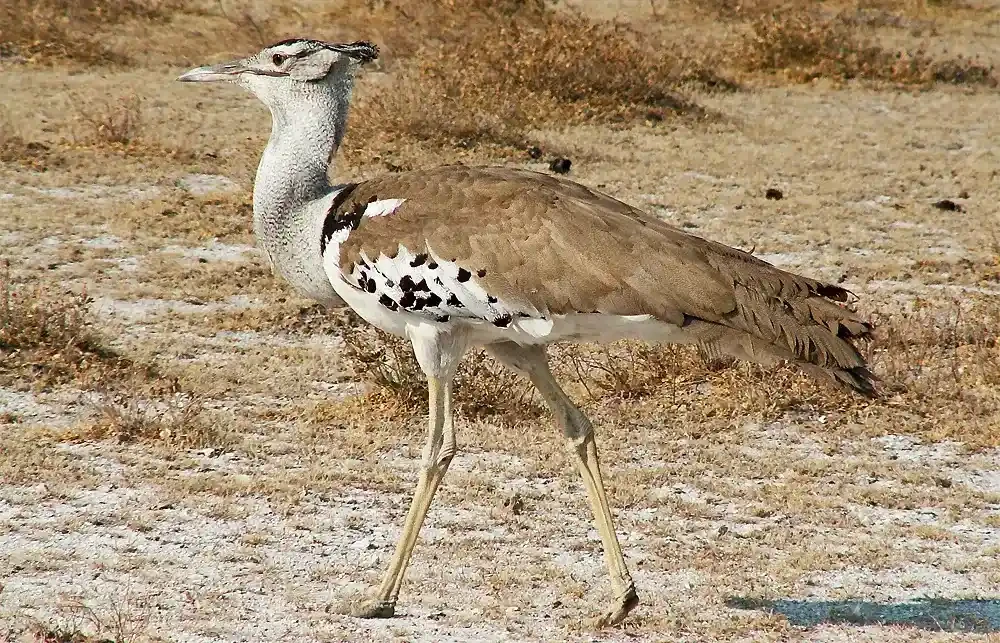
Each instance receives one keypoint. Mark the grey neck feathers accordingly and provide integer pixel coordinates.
(307, 128)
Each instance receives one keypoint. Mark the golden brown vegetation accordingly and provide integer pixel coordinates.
(801, 44)
(483, 388)
(50, 30)
(175, 421)
(489, 74)
(48, 338)
(940, 371)
(116, 122)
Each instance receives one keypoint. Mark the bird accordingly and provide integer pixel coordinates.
(509, 260)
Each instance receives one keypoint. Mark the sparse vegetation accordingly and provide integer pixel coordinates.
(47, 338)
(114, 122)
(177, 422)
(50, 30)
(483, 388)
(494, 73)
(802, 44)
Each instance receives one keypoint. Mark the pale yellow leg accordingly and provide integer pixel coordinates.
(579, 433)
(438, 452)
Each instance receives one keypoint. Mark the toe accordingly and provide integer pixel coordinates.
(374, 609)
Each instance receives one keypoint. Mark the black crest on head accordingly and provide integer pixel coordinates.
(361, 50)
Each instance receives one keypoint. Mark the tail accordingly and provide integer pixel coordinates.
(779, 315)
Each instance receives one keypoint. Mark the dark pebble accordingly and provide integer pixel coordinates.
(774, 194)
(535, 152)
(560, 165)
(948, 205)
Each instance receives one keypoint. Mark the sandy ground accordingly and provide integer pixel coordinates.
(776, 530)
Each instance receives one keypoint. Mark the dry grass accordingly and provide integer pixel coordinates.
(118, 619)
(30, 457)
(489, 74)
(483, 388)
(53, 30)
(940, 370)
(941, 367)
(48, 338)
(800, 44)
(15, 149)
(176, 422)
(115, 122)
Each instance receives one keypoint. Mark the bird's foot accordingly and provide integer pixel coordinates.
(373, 608)
(624, 603)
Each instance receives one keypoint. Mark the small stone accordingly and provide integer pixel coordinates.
(723, 530)
(964, 194)
(560, 165)
(535, 152)
(948, 205)
(774, 194)
(944, 483)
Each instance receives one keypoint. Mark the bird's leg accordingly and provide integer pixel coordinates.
(438, 452)
(579, 434)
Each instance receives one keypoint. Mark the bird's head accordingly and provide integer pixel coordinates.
(289, 68)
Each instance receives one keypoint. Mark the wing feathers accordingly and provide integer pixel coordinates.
(544, 246)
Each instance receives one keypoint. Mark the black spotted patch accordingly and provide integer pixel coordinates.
(454, 302)
(387, 301)
(407, 300)
(433, 300)
(503, 321)
(335, 220)
(463, 275)
(418, 260)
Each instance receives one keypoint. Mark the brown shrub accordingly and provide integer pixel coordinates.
(177, 421)
(802, 45)
(48, 30)
(939, 367)
(110, 122)
(488, 75)
(48, 338)
(483, 388)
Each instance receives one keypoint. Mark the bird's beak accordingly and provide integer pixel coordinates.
(210, 73)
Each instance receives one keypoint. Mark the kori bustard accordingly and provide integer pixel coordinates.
(509, 260)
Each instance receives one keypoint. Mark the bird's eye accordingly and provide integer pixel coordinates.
(277, 59)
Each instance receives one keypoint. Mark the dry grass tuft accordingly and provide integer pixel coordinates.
(176, 422)
(487, 74)
(111, 122)
(121, 618)
(53, 30)
(801, 44)
(941, 370)
(47, 339)
(483, 388)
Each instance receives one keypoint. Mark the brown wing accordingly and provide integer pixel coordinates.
(554, 246)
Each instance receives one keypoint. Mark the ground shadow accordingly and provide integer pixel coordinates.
(935, 614)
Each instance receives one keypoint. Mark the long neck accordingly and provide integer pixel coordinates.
(305, 135)
(288, 210)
